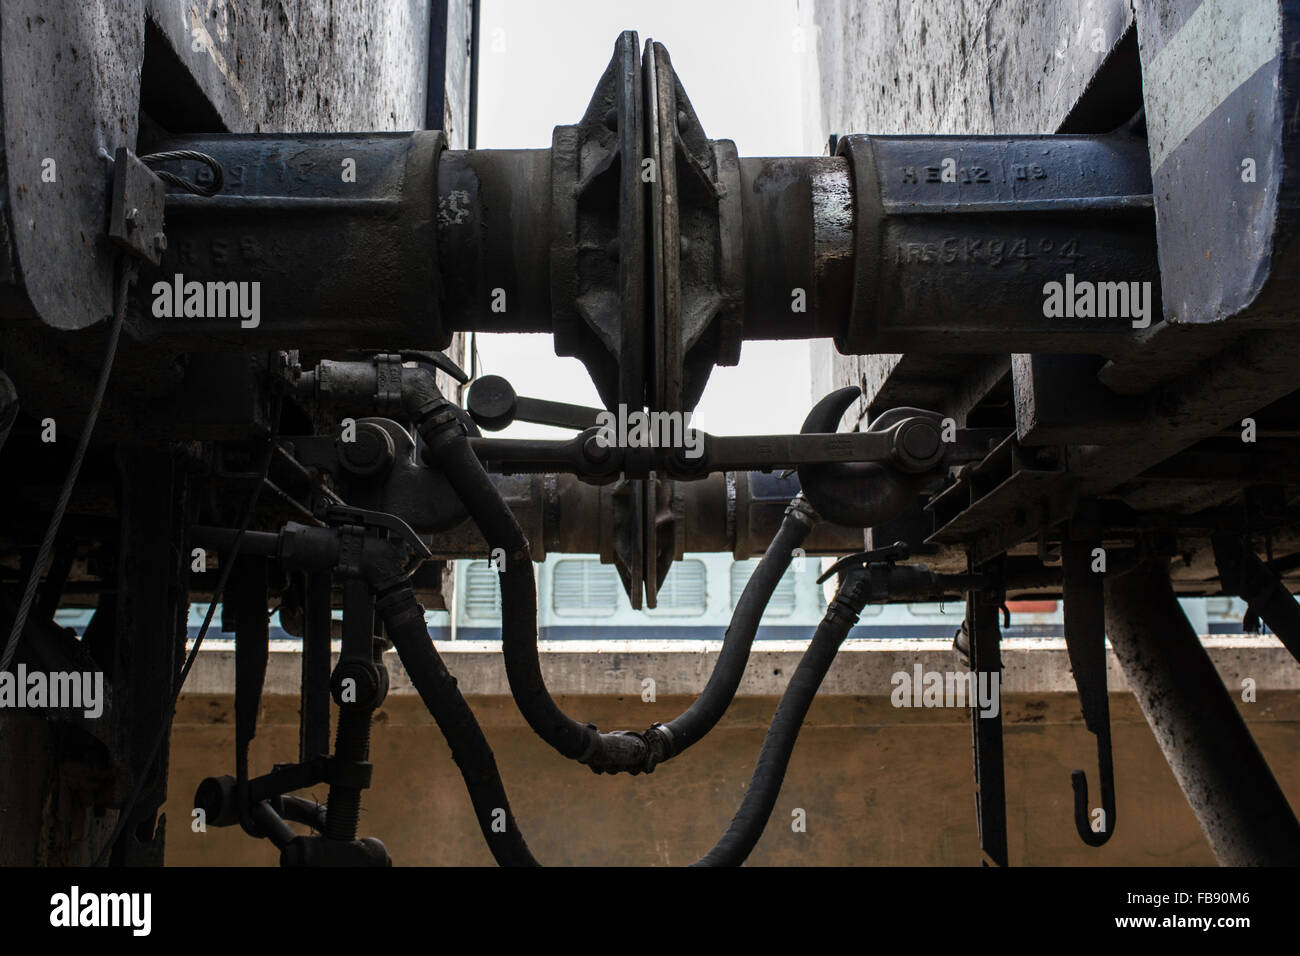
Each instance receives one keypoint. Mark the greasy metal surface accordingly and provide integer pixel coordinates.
(73, 71)
(390, 481)
(1010, 67)
(1224, 230)
(798, 232)
(492, 403)
(907, 293)
(494, 217)
(737, 513)
(956, 239)
(868, 492)
(337, 262)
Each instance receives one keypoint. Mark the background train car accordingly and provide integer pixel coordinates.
(579, 598)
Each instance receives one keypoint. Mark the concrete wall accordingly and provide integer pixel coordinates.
(879, 785)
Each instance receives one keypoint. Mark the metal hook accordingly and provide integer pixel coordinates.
(1082, 810)
(1085, 639)
(866, 494)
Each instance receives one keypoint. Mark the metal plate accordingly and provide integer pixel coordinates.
(135, 218)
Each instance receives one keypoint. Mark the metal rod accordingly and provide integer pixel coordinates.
(314, 723)
(986, 729)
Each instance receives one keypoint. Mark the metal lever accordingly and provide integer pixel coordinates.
(436, 359)
(493, 404)
(1085, 639)
(984, 639)
(1242, 573)
(898, 551)
(346, 514)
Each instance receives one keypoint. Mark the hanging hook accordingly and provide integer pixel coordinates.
(1082, 810)
(1085, 639)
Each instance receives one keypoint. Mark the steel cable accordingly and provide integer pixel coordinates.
(126, 275)
(214, 187)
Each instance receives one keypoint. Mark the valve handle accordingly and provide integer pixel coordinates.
(898, 551)
(347, 514)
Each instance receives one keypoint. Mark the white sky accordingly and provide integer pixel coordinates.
(540, 62)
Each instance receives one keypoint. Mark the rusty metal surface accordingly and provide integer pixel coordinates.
(598, 241)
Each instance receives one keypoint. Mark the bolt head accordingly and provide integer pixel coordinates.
(595, 451)
(365, 688)
(919, 443)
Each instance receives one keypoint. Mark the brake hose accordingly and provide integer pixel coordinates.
(769, 773)
(447, 448)
(707, 709)
(403, 619)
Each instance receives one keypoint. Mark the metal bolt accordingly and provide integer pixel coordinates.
(160, 242)
(370, 454)
(918, 444)
(132, 218)
(595, 451)
(366, 686)
(921, 441)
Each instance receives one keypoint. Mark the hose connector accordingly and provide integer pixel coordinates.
(621, 751)
(851, 596)
(801, 510)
